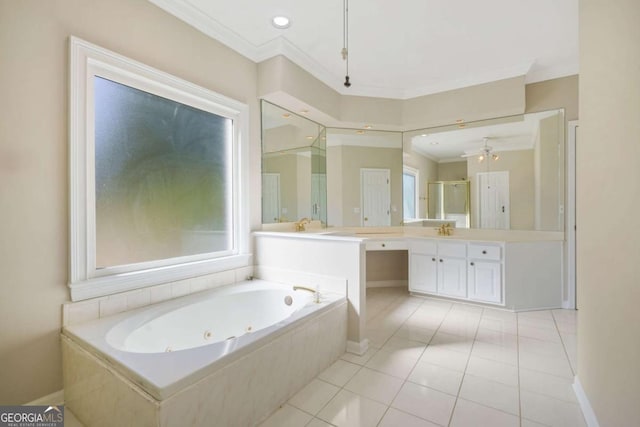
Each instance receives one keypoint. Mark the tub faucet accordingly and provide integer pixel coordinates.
(300, 224)
(315, 292)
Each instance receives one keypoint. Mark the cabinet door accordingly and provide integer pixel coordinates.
(485, 281)
(422, 273)
(452, 277)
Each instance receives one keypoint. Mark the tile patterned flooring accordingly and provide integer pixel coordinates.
(439, 363)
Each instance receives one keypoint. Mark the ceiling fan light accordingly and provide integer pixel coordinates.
(480, 157)
(495, 157)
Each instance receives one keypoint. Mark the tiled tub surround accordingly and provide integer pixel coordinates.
(241, 388)
(83, 311)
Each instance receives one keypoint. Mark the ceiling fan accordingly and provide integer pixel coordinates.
(485, 152)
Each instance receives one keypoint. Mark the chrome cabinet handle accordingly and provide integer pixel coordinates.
(472, 264)
(484, 252)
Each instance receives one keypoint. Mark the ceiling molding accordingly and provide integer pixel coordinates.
(212, 28)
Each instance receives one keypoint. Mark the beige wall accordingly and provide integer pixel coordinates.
(33, 153)
(608, 152)
(287, 166)
(355, 158)
(454, 171)
(552, 94)
(548, 169)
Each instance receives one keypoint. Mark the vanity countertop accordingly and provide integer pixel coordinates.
(403, 233)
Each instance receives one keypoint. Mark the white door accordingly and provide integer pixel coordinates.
(452, 277)
(485, 281)
(375, 190)
(270, 198)
(493, 200)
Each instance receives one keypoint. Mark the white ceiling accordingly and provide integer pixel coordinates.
(399, 49)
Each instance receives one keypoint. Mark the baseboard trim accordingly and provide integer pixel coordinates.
(387, 284)
(55, 398)
(585, 406)
(358, 348)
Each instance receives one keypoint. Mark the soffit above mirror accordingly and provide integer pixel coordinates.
(425, 47)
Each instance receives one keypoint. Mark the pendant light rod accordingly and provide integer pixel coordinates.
(345, 40)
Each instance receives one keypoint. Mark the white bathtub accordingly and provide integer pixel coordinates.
(192, 361)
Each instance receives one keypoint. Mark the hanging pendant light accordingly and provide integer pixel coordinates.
(345, 41)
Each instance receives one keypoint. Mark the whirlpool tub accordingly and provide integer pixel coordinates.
(195, 359)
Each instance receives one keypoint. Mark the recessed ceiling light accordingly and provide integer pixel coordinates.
(459, 121)
(367, 126)
(286, 115)
(360, 132)
(309, 137)
(304, 111)
(423, 135)
(434, 143)
(281, 22)
(461, 125)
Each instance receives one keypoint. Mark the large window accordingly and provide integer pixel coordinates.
(156, 182)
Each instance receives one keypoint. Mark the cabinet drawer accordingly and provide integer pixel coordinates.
(423, 246)
(489, 252)
(451, 249)
(385, 245)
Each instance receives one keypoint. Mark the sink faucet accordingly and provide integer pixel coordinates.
(445, 230)
(300, 224)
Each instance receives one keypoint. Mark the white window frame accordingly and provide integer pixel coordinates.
(85, 281)
(416, 197)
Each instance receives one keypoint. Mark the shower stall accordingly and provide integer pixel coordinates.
(449, 200)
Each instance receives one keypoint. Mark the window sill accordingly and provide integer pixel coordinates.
(108, 285)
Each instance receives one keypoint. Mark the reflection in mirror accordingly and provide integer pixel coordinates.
(365, 177)
(294, 172)
(449, 200)
(514, 167)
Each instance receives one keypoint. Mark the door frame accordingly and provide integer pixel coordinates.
(570, 302)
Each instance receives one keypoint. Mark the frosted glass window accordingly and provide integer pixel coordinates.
(409, 195)
(162, 177)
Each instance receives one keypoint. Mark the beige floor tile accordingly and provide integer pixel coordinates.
(497, 338)
(471, 414)
(415, 333)
(558, 366)
(492, 370)
(436, 377)
(339, 373)
(317, 422)
(452, 342)
(495, 352)
(550, 411)
(490, 393)
(396, 418)
(287, 416)
(374, 385)
(445, 358)
(348, 409)
(548, 385)
(424, 402)
(314, 396)
(398, 363)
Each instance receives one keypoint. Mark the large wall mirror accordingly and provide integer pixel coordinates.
(294, 167)
(364, 177)
(505, 173)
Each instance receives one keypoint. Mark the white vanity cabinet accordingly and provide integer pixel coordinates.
(457, 269)
(438, 267)
(484, 272)
(423, 264)
(452, 269)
